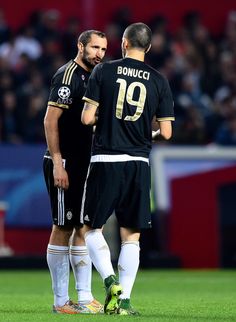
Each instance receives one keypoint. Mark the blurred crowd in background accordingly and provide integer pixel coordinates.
(200, 67)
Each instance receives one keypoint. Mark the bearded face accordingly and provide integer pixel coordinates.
(94, 51)
(89, 60)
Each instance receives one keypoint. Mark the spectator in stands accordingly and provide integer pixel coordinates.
(5, 31)
(10, 132)
(225, 133)
(72, 29)
(200, 66)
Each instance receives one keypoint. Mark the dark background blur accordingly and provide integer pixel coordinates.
(194, 46)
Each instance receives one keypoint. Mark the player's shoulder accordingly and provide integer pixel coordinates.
(66, 73)
(115, 61)
(154, 71)
(156, 75)
(110, 63)
(105, 67)
(61, 70)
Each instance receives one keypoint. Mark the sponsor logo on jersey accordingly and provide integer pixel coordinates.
(65, 101)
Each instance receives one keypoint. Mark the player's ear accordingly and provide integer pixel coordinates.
(147, 50)
(125, 43)
(80, 46)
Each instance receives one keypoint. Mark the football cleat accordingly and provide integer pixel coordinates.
(125, 308)
(68, 308)
(113, 291)
(93, 307)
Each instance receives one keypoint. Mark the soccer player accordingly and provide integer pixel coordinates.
(127, 94)
(65, 167)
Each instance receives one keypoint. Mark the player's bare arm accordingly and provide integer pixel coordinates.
(161, 128)
(165, 129)
(88, 116)
(52, 136)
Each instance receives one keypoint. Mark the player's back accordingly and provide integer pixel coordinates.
(130, 95)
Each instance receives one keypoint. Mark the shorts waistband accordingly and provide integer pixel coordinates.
(116, 158)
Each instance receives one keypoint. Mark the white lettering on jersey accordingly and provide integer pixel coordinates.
(132, 72)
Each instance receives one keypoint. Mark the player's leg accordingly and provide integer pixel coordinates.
(79, 258)
(58, 247)
(58, 263)
(100, 254)
(133, 213)
(82, 269)
(99, 203)
(128, 264)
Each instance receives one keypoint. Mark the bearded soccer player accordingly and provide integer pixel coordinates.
(65, 167)
(128, 94)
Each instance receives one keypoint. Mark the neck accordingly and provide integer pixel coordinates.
(79, 61)
(135, 54)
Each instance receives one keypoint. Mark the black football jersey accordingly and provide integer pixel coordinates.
(129, 94)
(67, 89)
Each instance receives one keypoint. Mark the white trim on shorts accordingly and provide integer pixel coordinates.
(116, 158)
(83, 198)
(61, 202)
(60, 199)
(60, 206)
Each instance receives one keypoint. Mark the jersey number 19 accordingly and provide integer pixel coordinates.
(127, 94)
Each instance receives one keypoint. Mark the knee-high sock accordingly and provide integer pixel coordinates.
(82, 268)
(99, 253)
(128, 264)
(59, 266)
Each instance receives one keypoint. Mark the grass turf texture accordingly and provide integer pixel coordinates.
(159, 295)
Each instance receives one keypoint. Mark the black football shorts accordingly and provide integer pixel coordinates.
(66, 204)
(123, 187)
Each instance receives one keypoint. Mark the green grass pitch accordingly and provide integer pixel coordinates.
(159, 295)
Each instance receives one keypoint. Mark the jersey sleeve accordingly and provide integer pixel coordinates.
(165, 110)
(92, 94)
(61, 95)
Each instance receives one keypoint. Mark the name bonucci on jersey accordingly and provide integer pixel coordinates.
(133, 72)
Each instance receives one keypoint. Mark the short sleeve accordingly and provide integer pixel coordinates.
(165, 110)
(60, 95)
(92, 94)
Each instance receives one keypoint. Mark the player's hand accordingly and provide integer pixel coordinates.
(60, 175)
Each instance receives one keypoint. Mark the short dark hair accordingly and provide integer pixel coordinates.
(139, 35)
(85, 36)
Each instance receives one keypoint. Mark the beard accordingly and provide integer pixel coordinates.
(89, 62)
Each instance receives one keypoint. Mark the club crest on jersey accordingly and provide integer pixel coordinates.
(69, 215)
(64, 92)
